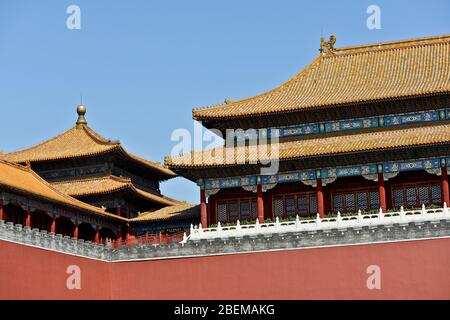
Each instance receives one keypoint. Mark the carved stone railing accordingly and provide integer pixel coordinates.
(312, 233)
(339, 222)
(50, 241)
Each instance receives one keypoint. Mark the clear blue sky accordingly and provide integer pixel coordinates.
(143, 65)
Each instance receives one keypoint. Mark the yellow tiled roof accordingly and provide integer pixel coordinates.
(24, 180)
(79, 141)
(362, 74)
(107, 184)
(304, 148)
(180, 211)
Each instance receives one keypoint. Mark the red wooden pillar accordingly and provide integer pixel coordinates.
(97, 235)
(444, 184)
(75, 231)
(203, 211)
(320, 201)
(118, 211)
(382, 192)
(127, 233)
(1, 210)
(119, 236)
(28, 218)
(53, 225)
(260, 203)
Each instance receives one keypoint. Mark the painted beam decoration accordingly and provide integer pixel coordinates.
(352, 124)
(309, 177)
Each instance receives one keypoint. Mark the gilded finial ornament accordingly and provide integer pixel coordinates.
(327, 46)
(227, 101)
(81, 110)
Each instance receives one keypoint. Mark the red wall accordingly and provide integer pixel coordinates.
(411, 270)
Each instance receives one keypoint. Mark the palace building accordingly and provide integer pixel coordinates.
(360, 128)
(80, 163)
(28, 200)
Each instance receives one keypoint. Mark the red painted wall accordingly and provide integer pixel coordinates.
(409, 270)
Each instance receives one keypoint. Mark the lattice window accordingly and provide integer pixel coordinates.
(222, 212)
(362, 201)
(313, 205)
(245, 210)
(233, 212)
(424, 195)
(290, 205)
(338, 203)
(398, 198)
(302, 205)
(436, 194)
(411, 196)
(374, 198)
(352, 201)
(254, 210)
(350, 204)
(278, 207)
(417, 195)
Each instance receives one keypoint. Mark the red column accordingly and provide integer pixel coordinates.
(118, 211)
(75, 231)
(382, 192)
(260, 203)
(444, 184)
(320, 201)
(127, 234)
(119, 236)
(53, 225)
(97, 235)
(203, 210)
(1, 210)
(28, 218)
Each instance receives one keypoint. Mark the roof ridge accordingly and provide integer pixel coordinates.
(42, 143)
(90, 132)
(92, 178)
(71, 200)
(13, 164)
(156, 165)
(316, 60)
(391, 45)
(300, 92)
(138, 191)
(97, 137)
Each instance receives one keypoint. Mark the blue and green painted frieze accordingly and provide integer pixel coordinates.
(328, 173)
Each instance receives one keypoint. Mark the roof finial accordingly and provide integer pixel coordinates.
(81, 110)
(327, 46)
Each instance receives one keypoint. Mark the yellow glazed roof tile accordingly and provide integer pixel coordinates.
(107, 184)
(304, 148)
(79, 141)
(180, 211)
(23, 179)
(361, 74)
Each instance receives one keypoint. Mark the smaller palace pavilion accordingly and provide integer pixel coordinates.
(81, 164)
(28, 200)
(360, 128)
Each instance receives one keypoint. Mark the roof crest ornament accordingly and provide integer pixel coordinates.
(81, 110)
(327, 46)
